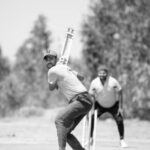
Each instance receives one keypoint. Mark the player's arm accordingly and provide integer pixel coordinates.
(92, 92)
(120, 96)
(53, 86)
(52, 79)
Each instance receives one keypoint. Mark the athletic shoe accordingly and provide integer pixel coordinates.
(123, 144)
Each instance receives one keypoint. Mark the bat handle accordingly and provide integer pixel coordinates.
(70, 32)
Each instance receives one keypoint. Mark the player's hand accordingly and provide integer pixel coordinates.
(63, 60)
(56, 86)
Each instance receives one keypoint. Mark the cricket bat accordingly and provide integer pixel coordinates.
(65, 53)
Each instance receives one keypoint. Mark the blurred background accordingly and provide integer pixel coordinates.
(112, 32)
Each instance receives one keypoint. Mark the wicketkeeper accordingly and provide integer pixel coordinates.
(107, 93)
(61, 77)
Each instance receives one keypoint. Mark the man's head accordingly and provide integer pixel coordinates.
(103, 72)
(50, 57)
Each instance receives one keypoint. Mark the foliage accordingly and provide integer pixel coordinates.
(11, 95)
(29, 67)
(116, 33)
(4, 66)
(5, 70)
(26, 88)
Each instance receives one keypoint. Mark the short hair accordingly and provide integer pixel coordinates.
(103, 67)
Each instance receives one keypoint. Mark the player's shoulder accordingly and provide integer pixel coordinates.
(54, 69)
(58, 69)
(95, 80)
(113, 80)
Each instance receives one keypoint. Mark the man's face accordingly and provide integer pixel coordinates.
(50, 61)
(103, 74)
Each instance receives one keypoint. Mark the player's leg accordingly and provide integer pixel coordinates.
(71, 139)
(118, 119)
(120, 123)
(65, 121)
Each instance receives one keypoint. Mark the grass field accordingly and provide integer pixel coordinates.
(39, 133)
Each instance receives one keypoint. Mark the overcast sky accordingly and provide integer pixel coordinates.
(17, 19)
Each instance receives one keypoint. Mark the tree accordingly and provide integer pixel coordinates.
(116, 33)
(29, 66)
(5, 70)
(4, 66)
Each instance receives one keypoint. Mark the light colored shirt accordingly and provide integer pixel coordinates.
(67, 81)
(106, 95)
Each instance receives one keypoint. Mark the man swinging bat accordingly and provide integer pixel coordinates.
(61, 77)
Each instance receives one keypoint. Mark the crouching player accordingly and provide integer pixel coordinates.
(107, 93)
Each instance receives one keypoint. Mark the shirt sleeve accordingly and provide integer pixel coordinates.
(117, 86)
(52, 76)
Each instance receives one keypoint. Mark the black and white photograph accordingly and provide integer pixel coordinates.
(74, 74)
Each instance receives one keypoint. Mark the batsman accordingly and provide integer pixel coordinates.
(68, 82)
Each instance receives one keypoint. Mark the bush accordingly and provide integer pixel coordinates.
(29, 111)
